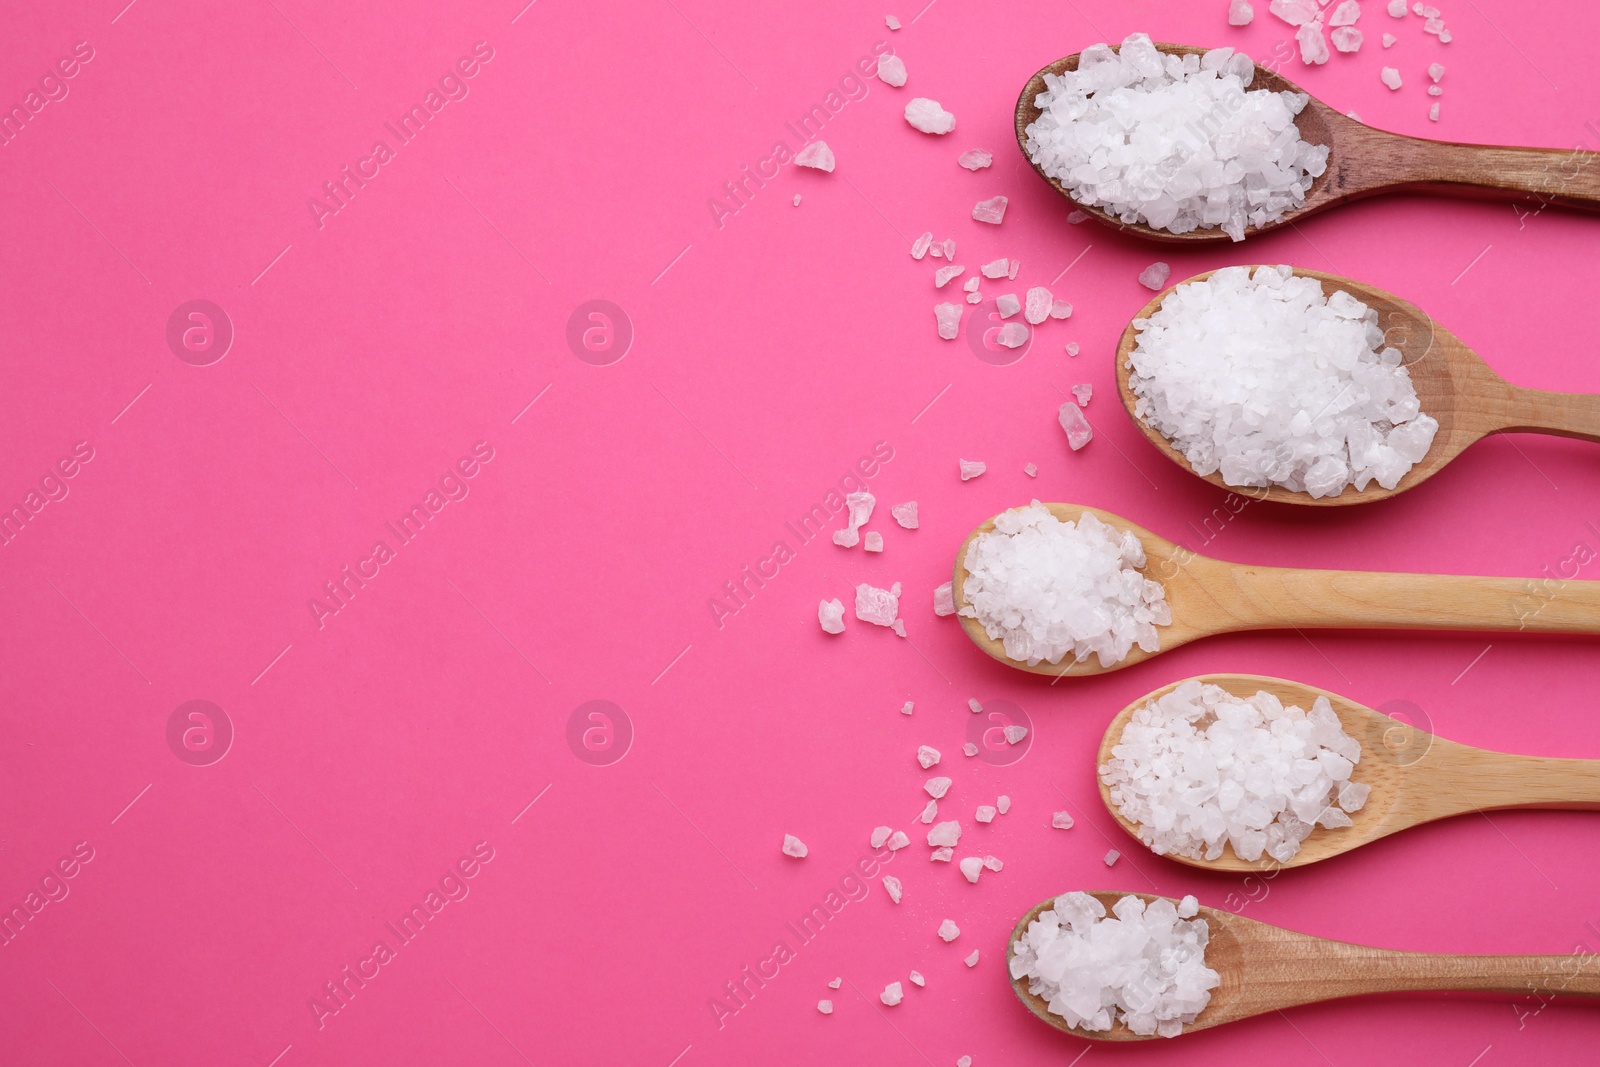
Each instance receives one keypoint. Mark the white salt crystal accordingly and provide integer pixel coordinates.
(996, 269)
(1030, 470)
(1072, 348)
(891, 22)
(1390, 77)
(793, 846)
(899, 627)
(1155, 276)
(1079, 432)
(927, 755)
(971, 867)
(892, 71)
(1077, 216)
(1240, 12)
(1263, 378)
(872, 541)
(945, 834)
(944, 599)
(830, 613)
(1007, 304)
(974, 298)
(1012, 335)
(917, 979)
(930, 812)
(1435, 71)
(971, 284)
(1039, 302)
(1389, 39)
(880, 834)
(1353, 796)
(1313, 45)
(1003, 805)
(1397, 8)
(836, 983)
(1444, 37)
(1061, 820)
(859, 507)
(949, 931)
(975, 707)
(964, 1061)
(905, 514)
(878, 606)
(825, 1007)
(1014, 733)
(937, 251)
(1434, 90)
(1112, 857)
(1345, 14)
(1188, 907)
(796, 199)
(1434, 26)
(1046, 588)
(1082, 393)
(1294, 12)
(975, 159)
(892, 885)
(992, 210)
(950, 248)
(942, 276)
(941, 855)
(926, 115)
(992, 863)
(816, 155)
(1060, 309)
(907, 708)
(898, 840)
(970, 749)
(971, 468)
(1012, 267)
(920, 246)
(985, 813)
(971, 961)
(949, 319)
(937, 788)
(1433, 112)
(1346, 39)
(892, 994)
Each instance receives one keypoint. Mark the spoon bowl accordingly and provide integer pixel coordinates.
(1363, 161)
(1454, 385)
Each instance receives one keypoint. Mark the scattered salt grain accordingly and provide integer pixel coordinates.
(1155, 276)
(816, 155)
(964, 1061)
(1389, 39)
(1030, 470)
(899, 627)
(892, 71)
(898, 840)
(971, 284)
(907, 708)
(1077, 216)
(1434, 90)
(793, 846)
(1346, 39)
(905, 514)
(936, 251)
(996, 269)
(1397, 8)
(944, 599)
(1145, 967)
(1112, 857)
(1313, 46)
(926, 115)
(1007, 304)
(945, 834)
(1188, 907)
(974, 706)
(1262, 377)
(975, 159)
(878, 606)
(949, 318)
(1390, 77)
(892, 885)
(880, 834)
(1012, 267)
(972, 468)
(1060, 309)
(830, 613)
(1012, 335)
(1435, 71)
(859, 507)
(892, 994)
(836, 983)
(1003, 805)
(937, 788)
(872, 541)
(825, 1007)
(992, 863)
(1346, 14)
(972, 959)
(1039, 302)
(1082, 393)
(1072, 348)
(974, 298)
(1014, 733)
(1433, 112)
(920, 246)
(970, 749)
(927, 756)
(942, 854)
(1178, 145)
(1061, 820)
(1201, 769)
(950, 248)
(796, 199)
(1294, 12)
(942, 276)
(917, 979)
(1240, 12)
(971, 867)
(985, 813)
(1046, 588)
(949, 931)
(930, 812)
(992, 210)
(1078, 430)
(1444, 37)
(1434, 26)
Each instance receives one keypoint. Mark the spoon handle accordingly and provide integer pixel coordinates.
(1452, 779)
(1382, 971)
(1564, 177)
(1563, 414)
(1279, 597)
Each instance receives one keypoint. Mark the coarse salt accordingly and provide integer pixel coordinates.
(927, 755)
(944, 599)
(793, 846)
(1077, 428)
(975, 159)
(949, 931)
(1155, 276)
(891, 885)
(992, 210)
(971, 868)
(905, 514)
(948, 317)
(926, 115)
(972, 468)
(830, 613)
(892, 71)
(816, 155)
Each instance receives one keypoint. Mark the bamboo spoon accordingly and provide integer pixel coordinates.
(1363, 161)
(1454, 385)
(1415, 777)
(1266, 968)
(1209, 596)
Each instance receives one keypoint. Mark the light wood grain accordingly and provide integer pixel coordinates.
(1267, 968)
(1210, 596)
(1363, 161)
(1415, 777)
(1454, 385)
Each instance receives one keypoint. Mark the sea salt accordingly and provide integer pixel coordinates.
(1434, 90)
(917, 979)
(825, 1007)
(949, 248)
(878, 606)
(830, 613)
(872, 541)
(1177, 144)
(1346, 39)
(1346, 14)
(971, 284)
(1112, 857)
(975, 159)
(936, 251)
(1030, 470)
(1003, 804)
(793, 846)
(972, 468)
(1201, 769)
(926, 115)
(1012, 335)
(992, 863)
(1389, 39)
(930, 812)
(1390, 77)
(1240, 12)
(945, 834)
(1397, 8)
(1046, 588)
(892, 994)
(1014, 733)
(796, 199)
(1313, 46)
(943, 854)
(1061, 820)
(992, 210)
(905, 514)
(949, 931)
(949, 319)
(944, 599)
(985, 813)
(920, 246)
(816, 155)
(942, 276)
(1007, 304)
(1435, 71)
(1188, 907)
(1060, 309)
(907, 708)
(880, 834)
(1433, 112)
(1081, 393)
(971, 868)
(973, 706)
(972, 959)
(937, 788)
(1038, 304)
(1012, 267)
(891, 885)
(1155, 276)
(898, 840)
(1294, 12)
(891, 22)
(1263, 378)
(892, 71)
(927, 755)
(974, 298)
(1076, 217)
(996, 269)
(969, 749)
(1144, 967)
(858, 507)
(1078, 430)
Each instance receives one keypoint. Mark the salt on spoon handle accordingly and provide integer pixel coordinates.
(1567, 178)
(1277, 597)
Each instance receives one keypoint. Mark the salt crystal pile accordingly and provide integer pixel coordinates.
(971, 468)
(926, 115)
(1144, 967)
(816, 155)
(976, 159)
(830, 613)
(1201, 769)
(793, 846)
(892, 71)
(1179, 143)
(1046, 588)
(992, 210)
(905, 514)
(1267, 380)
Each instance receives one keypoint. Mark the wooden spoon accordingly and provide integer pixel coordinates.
(1266, 968)
(1415, 777)
(1363, 161)
(1453, 383)
(1210, 596)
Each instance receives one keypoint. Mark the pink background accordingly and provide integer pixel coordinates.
(770, 354)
